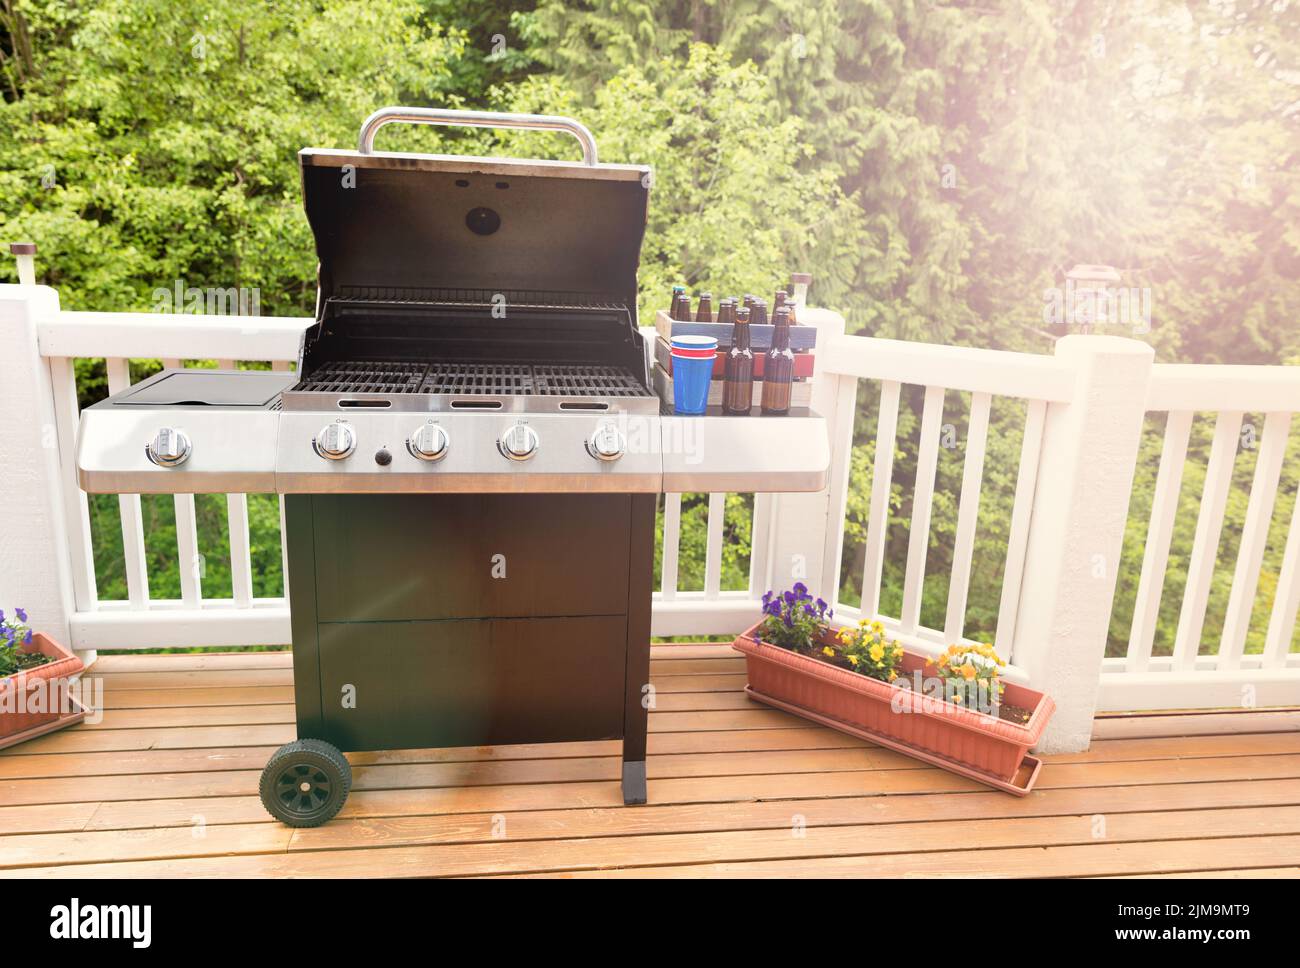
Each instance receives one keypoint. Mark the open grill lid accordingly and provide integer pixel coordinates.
(405, 230)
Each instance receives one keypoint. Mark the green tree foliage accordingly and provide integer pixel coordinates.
(154, 141)
(937, 166)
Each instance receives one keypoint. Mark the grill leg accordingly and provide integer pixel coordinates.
(633, 782)
(638, 696)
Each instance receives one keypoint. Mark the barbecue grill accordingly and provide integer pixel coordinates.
(470, 453)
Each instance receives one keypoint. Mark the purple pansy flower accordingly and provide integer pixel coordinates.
(22, 614)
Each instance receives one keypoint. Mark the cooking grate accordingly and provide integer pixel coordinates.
(585, 381)
(364, 378)
(474, 379)
(486, 378)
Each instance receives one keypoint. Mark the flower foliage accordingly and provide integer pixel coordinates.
(14, 634)
(867, 650)
(792, 618)
(970, 674)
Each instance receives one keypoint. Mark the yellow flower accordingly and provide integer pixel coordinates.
(853, 659)
(877, 652)
(827, 650)
(968, 672)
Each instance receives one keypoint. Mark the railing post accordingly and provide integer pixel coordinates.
(806, 527)
(36, 573)
(1085, 477)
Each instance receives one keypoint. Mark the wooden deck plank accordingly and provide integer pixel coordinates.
(885, 812)
(1092, 860)
(743, 783)
(592, 801)
(1064, 847)
(166, 784)
(815, 750)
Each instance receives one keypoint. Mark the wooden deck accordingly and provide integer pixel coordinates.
(166, 785)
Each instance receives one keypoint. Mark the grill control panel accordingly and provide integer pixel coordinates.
(469, 453)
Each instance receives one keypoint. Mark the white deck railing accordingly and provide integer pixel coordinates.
(1084, 409)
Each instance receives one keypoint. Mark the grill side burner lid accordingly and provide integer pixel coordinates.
(395, 221)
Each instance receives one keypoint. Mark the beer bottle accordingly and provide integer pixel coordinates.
(705, 313)
(749, 301)
(672, 302)
(682, 306)
(758, 312)
(780, 300)
(778, 368)
(738, 377)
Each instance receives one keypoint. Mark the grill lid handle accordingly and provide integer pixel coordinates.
(477, 119)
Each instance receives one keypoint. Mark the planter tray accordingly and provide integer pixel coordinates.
(1020, 785)
(67, 719)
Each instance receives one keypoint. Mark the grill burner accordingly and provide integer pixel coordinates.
(488, 379)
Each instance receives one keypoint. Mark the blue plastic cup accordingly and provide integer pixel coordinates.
(693, 360)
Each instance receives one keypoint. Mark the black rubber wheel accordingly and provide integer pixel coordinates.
(305, 783)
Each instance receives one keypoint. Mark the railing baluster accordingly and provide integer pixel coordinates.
(713, 548)
(1286, 603)
(172, 363)
(882, 479)
(241, 573)
(760, 545)
(837, 484)
(133, 553)
(1254, 539)
(76, 508)
(227, 365)
(1013, 572)
(1155, 558)
(280, 366)
(187, 550)
(918, 543)
(1205, 546)
(672, 537)
(967, 516)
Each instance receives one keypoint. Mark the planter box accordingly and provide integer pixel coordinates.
(961, 740)
(24, 714)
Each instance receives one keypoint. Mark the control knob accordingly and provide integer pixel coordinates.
(168, 448)
(335, 441)
(428, 443)
(607, 443)
(519, 442)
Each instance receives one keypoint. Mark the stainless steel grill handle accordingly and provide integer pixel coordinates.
(476, 119)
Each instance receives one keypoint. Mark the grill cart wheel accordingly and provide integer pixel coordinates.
(305, 783)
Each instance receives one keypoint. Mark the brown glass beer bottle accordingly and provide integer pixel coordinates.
(738, 376)
(778, 368)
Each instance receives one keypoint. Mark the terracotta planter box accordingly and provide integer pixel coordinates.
(23, 719)
(962, 740)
